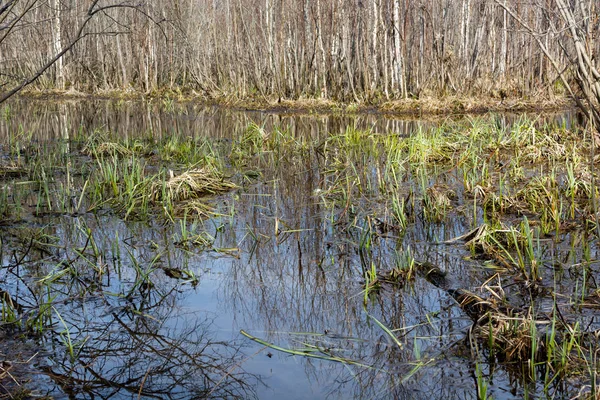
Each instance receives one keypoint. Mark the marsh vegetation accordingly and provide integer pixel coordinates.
(160, 250)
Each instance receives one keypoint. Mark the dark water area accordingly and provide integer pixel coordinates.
(118, 326)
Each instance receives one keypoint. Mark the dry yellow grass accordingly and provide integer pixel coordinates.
(105, 148)
(193, 184)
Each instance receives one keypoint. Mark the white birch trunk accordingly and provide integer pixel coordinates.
(57, 44)
(397, 60)
(322, 66)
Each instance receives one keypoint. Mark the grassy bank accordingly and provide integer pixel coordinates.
(423, 106)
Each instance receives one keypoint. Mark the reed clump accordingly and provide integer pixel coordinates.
(191, 184)
(108, 149)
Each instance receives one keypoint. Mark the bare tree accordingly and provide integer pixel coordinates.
(575, 17)
(14, 17)
(347, 50)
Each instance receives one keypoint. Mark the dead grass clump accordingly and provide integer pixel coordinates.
(109, 148)
(106, 148)
(100, 144)
(196, 208)
(513, 339)
(512, 335)
(517, 336)
(192, 185)
(437, 202)
(491, 242)
(441, 195)
(430, 103)
(503, 204)
(521, 339)
(318, 104)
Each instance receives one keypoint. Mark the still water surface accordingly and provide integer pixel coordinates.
(280, 269)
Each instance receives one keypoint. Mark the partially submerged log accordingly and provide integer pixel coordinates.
(510, 333)
(472, 304)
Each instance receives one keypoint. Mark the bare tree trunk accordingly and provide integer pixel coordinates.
(374, 19)
(587, 75)
(504, 42)
(397, 61)
(122, 63)
(322, 65)
(57, 44)
(270, 41)
(466, 16)
(386, 57)
(334, 48)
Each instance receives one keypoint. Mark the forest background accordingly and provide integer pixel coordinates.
(346, 51)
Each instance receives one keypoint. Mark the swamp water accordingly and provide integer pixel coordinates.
(173, 251)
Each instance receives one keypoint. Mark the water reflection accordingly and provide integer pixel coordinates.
(122, 327)
(147, 348)
(49, 120)
(306, 288)
(111, 336)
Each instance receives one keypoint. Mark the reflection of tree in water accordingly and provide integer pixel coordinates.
(137, 119)
(329, 306)
(311, 281)
(118, 333)
(146, 346)
(306, 276)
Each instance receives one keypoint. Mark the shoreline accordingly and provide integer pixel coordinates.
(430, 106)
